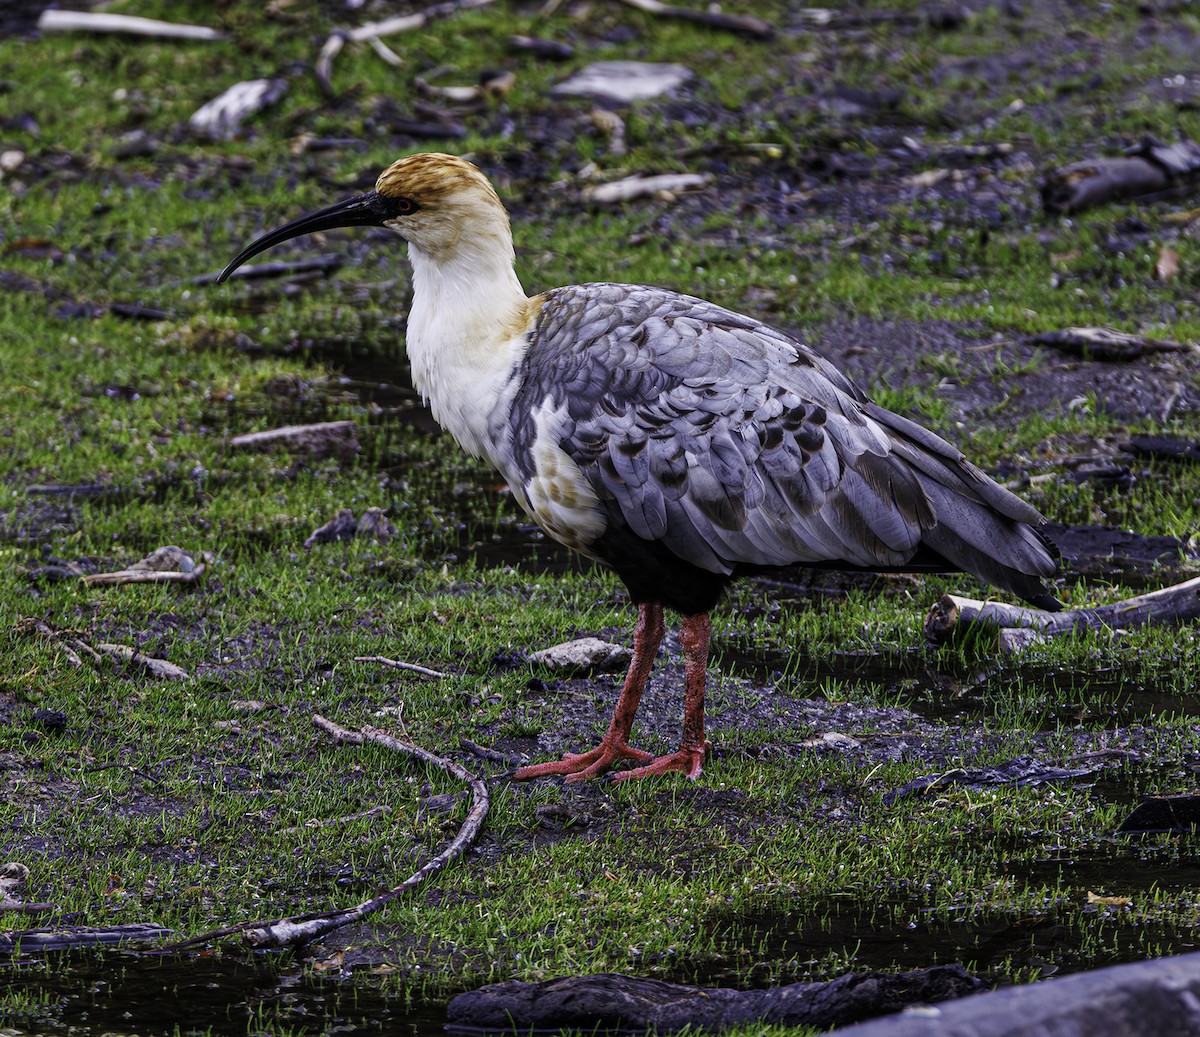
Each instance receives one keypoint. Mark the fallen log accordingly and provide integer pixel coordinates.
(1151, 169)
(324, 439)
(609, 1001)
(60, 938)
(953, 616)
(1106, 343)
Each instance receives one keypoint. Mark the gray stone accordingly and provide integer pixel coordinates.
(623, 82)
(584, 655)
(1158, 998)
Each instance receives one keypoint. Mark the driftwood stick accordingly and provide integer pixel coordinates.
(308, 826)
(89, 21)
(399, 665)
(407, 22)
(63, 937)
(251, 272)
(27, 907)
(745, 24)
(324, 439)
(301, 929)
(952, 615)
(1149, 170)
(372, 33)
(638, 186)
(141, 576)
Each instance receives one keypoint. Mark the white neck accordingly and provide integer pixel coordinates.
(467, 331)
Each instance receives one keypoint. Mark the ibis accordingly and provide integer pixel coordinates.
(679, 442)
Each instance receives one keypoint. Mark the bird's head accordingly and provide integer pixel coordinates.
(441, 204)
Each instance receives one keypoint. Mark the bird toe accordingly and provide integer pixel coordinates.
(686, 760)
(584, 766)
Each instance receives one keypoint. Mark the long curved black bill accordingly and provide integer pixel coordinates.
(364, 210)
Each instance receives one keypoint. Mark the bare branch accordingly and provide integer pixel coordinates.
(308, 826)
(397, 664)
(300, 929)
(88, 21)
(745, 24)
(141, 576)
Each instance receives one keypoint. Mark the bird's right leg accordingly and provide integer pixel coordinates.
(614, 746)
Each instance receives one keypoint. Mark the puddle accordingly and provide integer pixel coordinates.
(126, 994)
(1002, 947)
(941, 689)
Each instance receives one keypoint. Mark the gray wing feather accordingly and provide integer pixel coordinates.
(730, 443)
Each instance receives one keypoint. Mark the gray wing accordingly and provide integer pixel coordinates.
(732, 444)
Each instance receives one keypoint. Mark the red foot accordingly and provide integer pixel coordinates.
(686, 759)
(581, 766)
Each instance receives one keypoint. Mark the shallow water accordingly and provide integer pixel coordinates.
(123, 994)
(941, 689)
(997, 945)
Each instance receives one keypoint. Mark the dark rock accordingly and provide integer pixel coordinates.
(609, 1000)
(1163, 448)
(439, 806)
(948, 18)
(1101, 549)
(342, 526)
(1145, 999)
(1163, 814)
(54, 573)
(374, 523)
(50, 719)
(542, 48)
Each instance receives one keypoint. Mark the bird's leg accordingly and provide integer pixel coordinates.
(614, 746)
(688, 758)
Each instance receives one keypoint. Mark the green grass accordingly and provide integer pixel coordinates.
(174, 802)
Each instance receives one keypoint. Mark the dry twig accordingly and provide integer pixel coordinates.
(301, 929)
(746, 24)
(371, 33)
(90, 21)
(76, 650)
(141, 576)
(325, 822)
(397, 664)
(637, 186)
(324, 439)
(68, 936)
(1106, 343)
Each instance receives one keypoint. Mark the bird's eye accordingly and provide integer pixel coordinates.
(404, 206)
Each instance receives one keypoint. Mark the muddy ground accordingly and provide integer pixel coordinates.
(939, 708)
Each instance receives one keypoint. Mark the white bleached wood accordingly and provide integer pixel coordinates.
(89, 21)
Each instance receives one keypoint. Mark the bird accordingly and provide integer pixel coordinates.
(678, 442)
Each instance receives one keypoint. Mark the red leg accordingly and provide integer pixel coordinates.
(614, 746)
(688, 758)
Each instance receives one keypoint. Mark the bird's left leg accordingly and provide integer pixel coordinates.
(688, 758)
